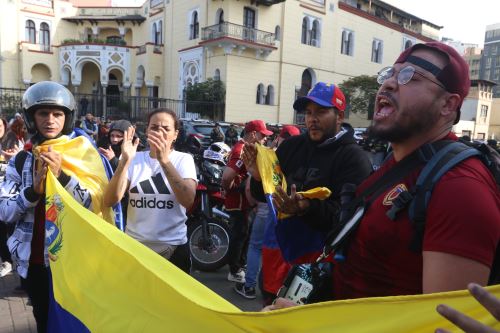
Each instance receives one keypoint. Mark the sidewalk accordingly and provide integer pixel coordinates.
(15, 315)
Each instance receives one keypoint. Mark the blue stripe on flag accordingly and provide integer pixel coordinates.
(61, 320)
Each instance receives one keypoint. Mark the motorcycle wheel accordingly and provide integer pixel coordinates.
(204, 259)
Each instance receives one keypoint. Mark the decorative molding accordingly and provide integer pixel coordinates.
(33, 12)
(313, 9)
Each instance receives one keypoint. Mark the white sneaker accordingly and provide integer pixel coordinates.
(238, 277)
(5, 268)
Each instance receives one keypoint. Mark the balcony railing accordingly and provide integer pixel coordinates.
(236, 31)
(97, 41)
(141, 49)
(149, 48)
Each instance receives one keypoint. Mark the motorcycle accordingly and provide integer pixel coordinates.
(208, 224)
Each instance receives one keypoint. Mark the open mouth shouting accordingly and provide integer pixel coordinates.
(385, 106)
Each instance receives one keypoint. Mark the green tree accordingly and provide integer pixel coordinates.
(207, 98)
(360, 92)
(209, 91)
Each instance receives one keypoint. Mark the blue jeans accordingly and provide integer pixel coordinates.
(254, 253)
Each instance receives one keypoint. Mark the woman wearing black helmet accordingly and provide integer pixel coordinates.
(48, 110)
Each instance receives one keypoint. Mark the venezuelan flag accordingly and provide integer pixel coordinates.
(298, 242)
(104, 281)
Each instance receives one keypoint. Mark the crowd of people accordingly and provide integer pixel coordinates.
(386, 254)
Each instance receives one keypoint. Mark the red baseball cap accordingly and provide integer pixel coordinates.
(289, 130)
(257, 126)
(454, 76)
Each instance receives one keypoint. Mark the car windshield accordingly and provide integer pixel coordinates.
(204, 129)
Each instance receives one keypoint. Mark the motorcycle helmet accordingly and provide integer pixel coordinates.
(217, 152)
(48, 94)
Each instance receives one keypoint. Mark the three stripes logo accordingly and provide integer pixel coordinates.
(148, 187)
(155, 185)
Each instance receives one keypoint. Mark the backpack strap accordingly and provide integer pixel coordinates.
(353, 211)
(19, 161)
(447, 155)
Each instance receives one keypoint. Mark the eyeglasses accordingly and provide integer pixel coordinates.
(405, 75)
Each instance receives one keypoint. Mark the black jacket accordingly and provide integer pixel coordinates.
(332, 163)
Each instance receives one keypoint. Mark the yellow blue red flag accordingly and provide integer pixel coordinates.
(104, 281)
(297, 241)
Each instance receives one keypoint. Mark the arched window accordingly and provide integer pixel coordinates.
(30, 31)
(408, 44)
(220, 17)
(306, 83)
(304, 30)
(315, 33)
(153, 33)
(44, 35)
(270, 95)
(158, 33)
(260, 94)
(195, 26)
(217, 75)
(377, 48)
(277, 33)
(347, 46)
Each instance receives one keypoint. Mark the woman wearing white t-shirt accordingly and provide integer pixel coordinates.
(161, 184)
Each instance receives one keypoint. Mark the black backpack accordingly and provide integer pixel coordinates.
(438, 158)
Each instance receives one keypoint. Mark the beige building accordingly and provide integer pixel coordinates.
(266, 52)
(476, 111)
(494, 128)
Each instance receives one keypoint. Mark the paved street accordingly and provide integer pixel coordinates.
(16, 315)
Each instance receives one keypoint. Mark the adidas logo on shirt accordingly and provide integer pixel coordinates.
(148, 188)
(155, 185)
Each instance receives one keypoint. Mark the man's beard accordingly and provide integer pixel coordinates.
(398, 132)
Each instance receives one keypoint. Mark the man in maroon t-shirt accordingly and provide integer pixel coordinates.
(233, 182)
(418, 102)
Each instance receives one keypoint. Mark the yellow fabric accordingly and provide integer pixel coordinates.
(80, 159)
(271, 176)
(112, 283)
(269, 170)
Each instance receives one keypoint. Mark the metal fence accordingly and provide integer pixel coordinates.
(133, 108)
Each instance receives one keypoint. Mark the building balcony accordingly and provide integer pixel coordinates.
(268, 2)
(149, 48)
(232, 36)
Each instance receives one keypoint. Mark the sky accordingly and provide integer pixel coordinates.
(462, 20)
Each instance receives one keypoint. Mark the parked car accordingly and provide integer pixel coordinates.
(196, 134)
